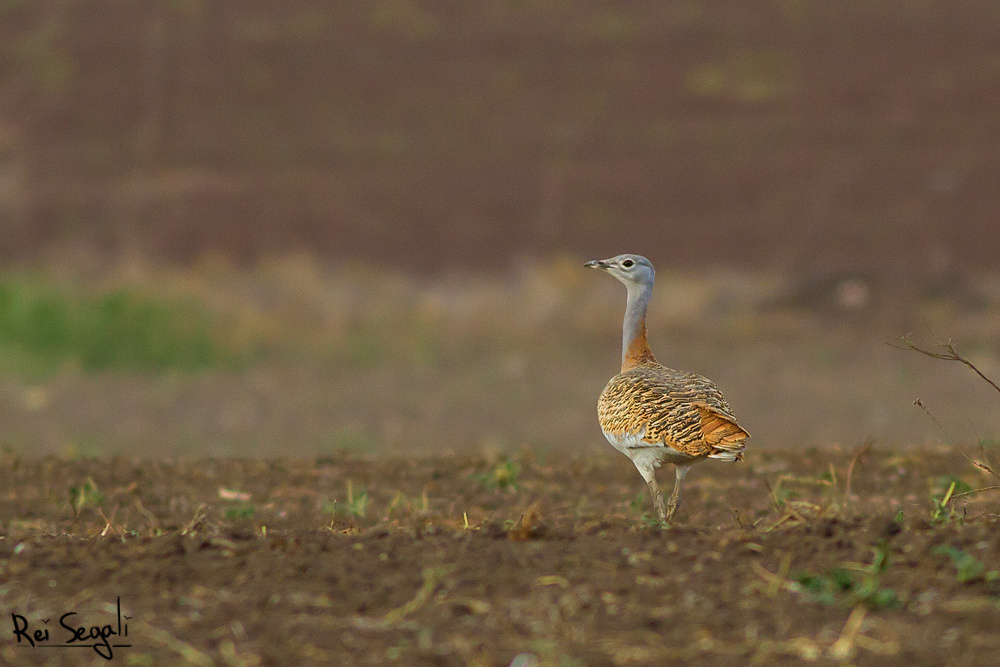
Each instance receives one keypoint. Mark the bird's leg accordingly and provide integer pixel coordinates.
(654, 493)
(675, 496)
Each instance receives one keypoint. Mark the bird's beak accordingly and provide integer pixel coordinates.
(596, 264)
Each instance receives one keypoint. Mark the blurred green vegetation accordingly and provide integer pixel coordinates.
(356, 441)
(43, 327)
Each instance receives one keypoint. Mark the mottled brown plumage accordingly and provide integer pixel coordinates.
(683, 411)
(654, 414)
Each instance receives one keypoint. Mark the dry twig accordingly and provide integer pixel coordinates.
(969, 493)
(949, 354)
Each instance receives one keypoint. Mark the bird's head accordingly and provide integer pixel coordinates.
(629, 269)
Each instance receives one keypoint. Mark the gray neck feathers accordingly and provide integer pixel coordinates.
(635, 314)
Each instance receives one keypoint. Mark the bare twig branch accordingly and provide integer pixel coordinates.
(969, 493)
(949, 354)
(985, 468)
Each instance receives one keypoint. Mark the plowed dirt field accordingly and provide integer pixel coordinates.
(533, 559)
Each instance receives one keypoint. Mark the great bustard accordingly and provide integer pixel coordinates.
(654, 414)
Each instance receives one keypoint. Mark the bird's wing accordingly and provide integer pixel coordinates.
(683, 411)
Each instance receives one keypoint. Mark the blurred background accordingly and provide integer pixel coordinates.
(288, 229)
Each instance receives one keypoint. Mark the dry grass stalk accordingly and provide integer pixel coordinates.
(858, 455)
(433, 576)
(529, 526)
(843, 648)
(154, 523)
(108, 527)
(196, 521)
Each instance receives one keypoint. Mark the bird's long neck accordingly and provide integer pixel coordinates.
(635, 347)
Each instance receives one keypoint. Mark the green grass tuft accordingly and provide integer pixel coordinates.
(503, 476)
(841, 586)
(945, 489)
(43, 327)
(355, 506)
(967, 567)
(241, 512)
(84, 496)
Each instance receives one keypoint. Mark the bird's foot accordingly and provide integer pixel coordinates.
(671, 509)
(663, 512)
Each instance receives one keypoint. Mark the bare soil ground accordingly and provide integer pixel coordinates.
(455, 560)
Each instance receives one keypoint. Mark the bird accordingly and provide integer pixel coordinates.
(654, 414)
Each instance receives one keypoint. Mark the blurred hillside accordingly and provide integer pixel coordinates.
(439, 136)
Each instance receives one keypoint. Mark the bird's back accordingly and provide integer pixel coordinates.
(653, 405)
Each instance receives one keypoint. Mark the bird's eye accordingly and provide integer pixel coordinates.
(628, 263)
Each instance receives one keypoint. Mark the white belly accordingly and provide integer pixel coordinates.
(645, 454)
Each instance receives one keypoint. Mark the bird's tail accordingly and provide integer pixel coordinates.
(726, 438)
(730, 453)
